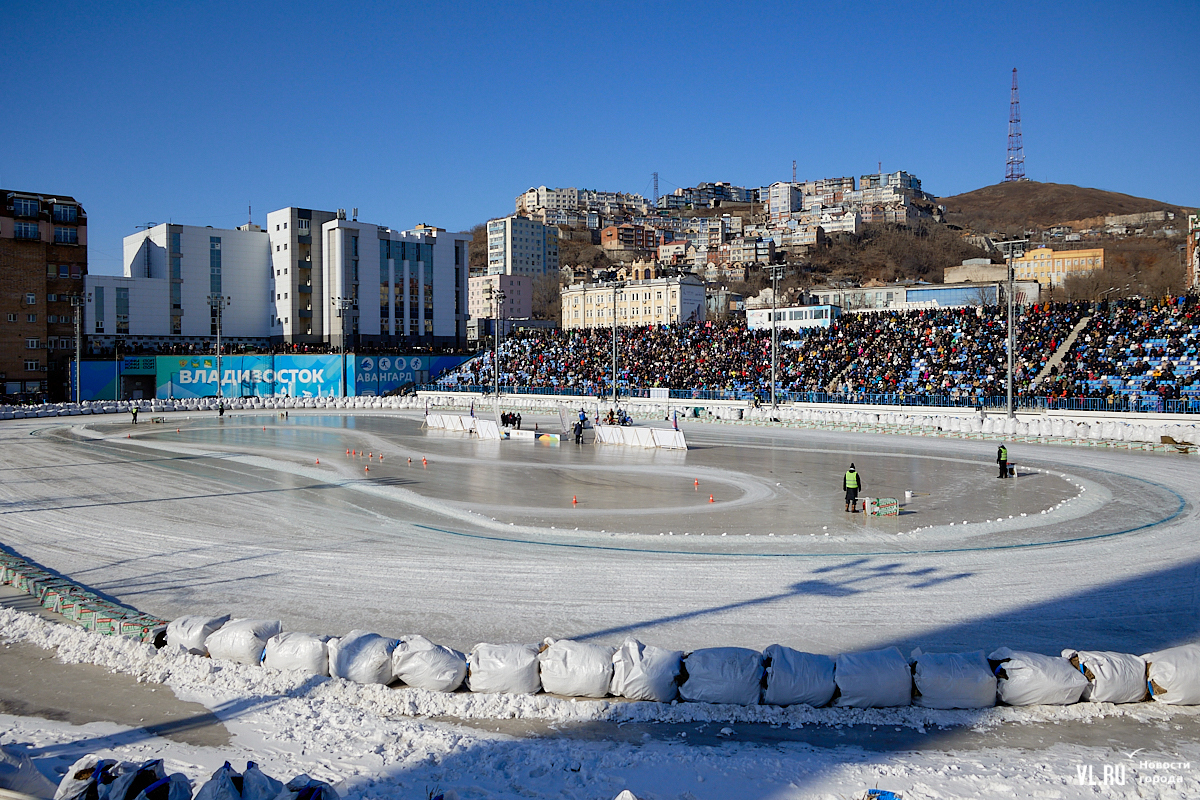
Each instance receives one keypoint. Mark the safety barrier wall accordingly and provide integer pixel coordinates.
(640, 437)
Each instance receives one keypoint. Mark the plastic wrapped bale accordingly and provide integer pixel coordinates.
(1111, 677)
(301, 652)
(149, 779)
(303, 787)
(953, 680)
(794, 677)
(90, 776)
(257, 785)
(425, 665)
(190, 632)
(503, 668)
(224, 784)
(1033, 679)
(242, 640)
(874, 679)
(722, 675)
(362, 657)
(576, 669)
(1173, 675)
(18, 774)
(645, 672)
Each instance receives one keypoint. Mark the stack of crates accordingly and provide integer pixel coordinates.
(85, 608)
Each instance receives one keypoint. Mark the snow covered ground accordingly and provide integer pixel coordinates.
(1089, 548)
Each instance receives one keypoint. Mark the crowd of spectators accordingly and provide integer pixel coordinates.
(954, 352)
(135, 348)
(1136, 348)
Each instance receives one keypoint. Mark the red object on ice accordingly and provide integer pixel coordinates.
(710, 499)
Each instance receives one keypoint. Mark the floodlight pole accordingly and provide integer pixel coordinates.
(774, 336)
(77, 301)
(616, 286)
(343, 304)
(217, 303)
(1011, 247)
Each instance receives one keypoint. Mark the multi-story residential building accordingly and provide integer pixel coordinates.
(629, 237)
(659, 301)
(1052, 267)
(703, 194)
(751, 250)
(290, 284)
(841, 222)
(518, 296)
(43, 261)
(520, 246)
(545, 198)
(783, 200)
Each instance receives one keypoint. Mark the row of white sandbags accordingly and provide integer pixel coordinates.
(777, 676)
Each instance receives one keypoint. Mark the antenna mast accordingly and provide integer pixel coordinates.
(1014, 169)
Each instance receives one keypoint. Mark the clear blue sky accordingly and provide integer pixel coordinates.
(442, 113)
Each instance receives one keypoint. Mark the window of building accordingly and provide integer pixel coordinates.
(53, 318)
(66, 235)
(31, 317)
(65, 213)
(25, 207)
(51, 298)
(12, 317)
(32, 344)
(64, 271)
(75, 271)
(302, 225)
(32, 366)
(26, 230)
(30, 299)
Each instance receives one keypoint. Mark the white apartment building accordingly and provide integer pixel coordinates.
(520, 246)
(281, 284)
(658, 301)
(169, 273)
(518, 296)
(552, 199)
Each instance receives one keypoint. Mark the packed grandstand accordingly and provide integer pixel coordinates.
(1133, 354)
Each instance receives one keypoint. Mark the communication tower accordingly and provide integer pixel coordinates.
(1014, 169)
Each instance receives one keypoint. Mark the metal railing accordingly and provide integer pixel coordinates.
(1118, 404)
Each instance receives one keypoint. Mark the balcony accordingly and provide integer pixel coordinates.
(305, 287)
(304, 313)
(304, 239)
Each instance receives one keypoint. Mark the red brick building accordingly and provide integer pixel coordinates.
(628, 237)
(43, 258)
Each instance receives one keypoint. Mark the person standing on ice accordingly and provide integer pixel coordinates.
(134, 410)
(851, 483)
(1002, 460)
(578, 433)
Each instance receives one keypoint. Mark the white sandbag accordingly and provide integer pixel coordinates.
(1173, 675)
(645, 672)
(722, 675)
(1111, 677)
(576, 669)
(257, 785)
(362, 657)
(874, 679)
(301, 652)
(1031, 679)
(953, 680)
(425, 665)
(192, 630)
(242, 640)
(794, 677)
(507, 668)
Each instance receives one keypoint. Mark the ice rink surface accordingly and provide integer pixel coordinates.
(482, 542)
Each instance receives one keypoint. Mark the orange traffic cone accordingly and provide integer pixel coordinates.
(574, 500)
(318, 461)
(710, 499)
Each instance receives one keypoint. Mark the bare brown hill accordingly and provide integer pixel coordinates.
(1015, 206)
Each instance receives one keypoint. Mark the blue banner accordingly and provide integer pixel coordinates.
(256, 375)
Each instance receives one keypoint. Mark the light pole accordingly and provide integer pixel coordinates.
(1014, 248)
(217, 303)
(616, 286)
(774, 335)
(77, 301)
(497, 297)
(342, 305)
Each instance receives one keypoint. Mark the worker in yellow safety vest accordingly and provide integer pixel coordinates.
(1002, 460)
(851, 483)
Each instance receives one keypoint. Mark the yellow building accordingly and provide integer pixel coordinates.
(658, 301)
(1052, 267)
